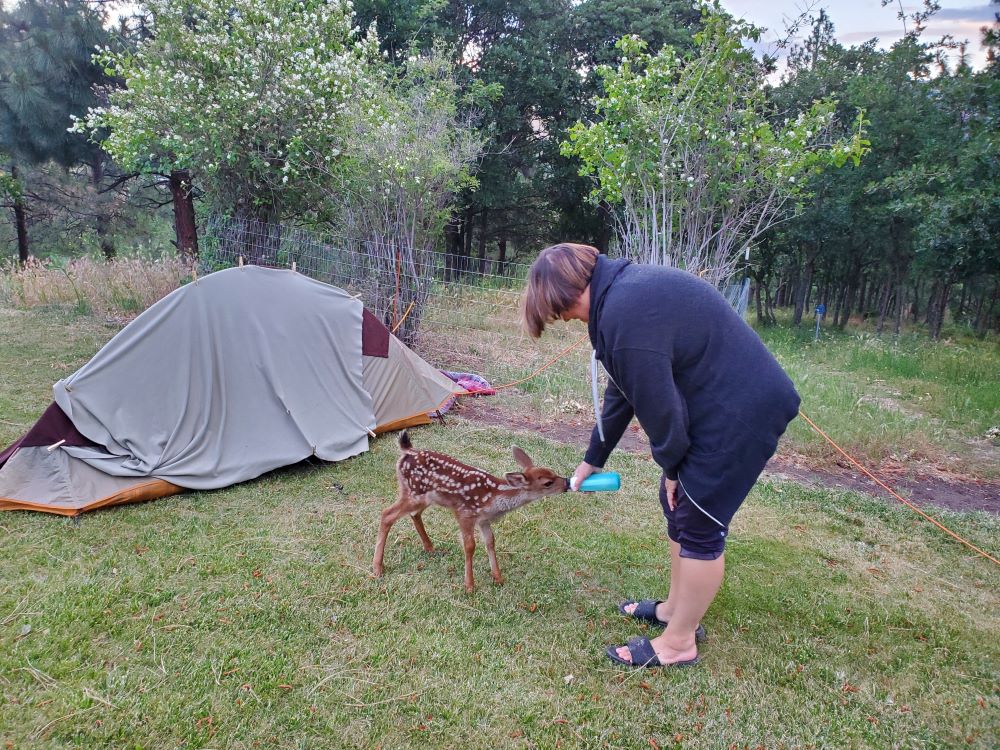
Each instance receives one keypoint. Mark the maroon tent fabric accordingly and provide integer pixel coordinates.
(50, 428)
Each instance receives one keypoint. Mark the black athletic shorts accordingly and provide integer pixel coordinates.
(700, 536)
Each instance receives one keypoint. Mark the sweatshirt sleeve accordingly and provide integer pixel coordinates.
(616, 413)
(647, 379)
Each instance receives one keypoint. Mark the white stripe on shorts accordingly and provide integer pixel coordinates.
(695, 503)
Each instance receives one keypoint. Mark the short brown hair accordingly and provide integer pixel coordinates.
(556, 280)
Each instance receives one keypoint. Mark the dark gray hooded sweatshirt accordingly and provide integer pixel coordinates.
(710, 396)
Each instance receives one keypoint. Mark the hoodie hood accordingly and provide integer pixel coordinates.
(606, 270)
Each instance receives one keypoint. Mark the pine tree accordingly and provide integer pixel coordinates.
(47, 75)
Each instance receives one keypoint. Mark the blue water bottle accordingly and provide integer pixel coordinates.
(605, 481)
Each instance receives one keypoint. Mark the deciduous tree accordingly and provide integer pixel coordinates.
(685, 150)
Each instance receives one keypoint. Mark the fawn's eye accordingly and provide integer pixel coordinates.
(550, 482)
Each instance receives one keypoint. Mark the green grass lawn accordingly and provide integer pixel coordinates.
(246, 617)
(909, 400)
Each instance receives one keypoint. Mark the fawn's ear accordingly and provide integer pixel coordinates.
(522, 458)
(516, 479)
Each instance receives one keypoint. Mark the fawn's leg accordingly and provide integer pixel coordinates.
(467, 527)
(487, 531)
(418, 524)
(389, 516)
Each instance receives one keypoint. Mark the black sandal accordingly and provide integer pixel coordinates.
(646, 611)
(644, 655)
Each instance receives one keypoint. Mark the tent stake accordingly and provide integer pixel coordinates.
(55, 445)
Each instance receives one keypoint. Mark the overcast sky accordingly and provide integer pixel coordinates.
(856, 21)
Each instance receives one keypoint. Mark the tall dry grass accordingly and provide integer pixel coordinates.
(118, 289)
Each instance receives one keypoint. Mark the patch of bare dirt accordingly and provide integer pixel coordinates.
(922, 485)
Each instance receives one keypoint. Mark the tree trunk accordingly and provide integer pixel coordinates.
(759, 303)
(103, 220)
(850, 294)
(502, 255)
(838, 304)
(20, 221)
(802, 293)
(467, 225)
(932, 305)
(883, 306)
(482, 242)
(900, 304)
(984, 311)
(940, 309)
(769, 306)
(984, 318)
(107, 244)
(451, 244)
(606, 216)
(184, 224)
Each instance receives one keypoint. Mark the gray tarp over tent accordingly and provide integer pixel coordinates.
(243, 371)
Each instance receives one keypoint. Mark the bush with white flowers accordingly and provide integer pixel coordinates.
(409, 152)
(242, 93)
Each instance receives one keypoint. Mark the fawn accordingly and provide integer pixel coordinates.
(474, 496)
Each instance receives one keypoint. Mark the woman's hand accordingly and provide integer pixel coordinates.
(583, 471)
(671, 487)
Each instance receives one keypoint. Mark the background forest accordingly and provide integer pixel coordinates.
(862, 178)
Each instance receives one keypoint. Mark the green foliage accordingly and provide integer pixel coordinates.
(408, 152)
(11, 187)
(600, 24)
(249, 96)
(542, 55)
(46, 76)
(685, 146)
(919, 215)
(408, 135)
(953, 188)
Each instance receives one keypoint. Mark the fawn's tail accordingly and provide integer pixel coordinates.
(404, 442)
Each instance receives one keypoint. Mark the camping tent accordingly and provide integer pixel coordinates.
(240, 372)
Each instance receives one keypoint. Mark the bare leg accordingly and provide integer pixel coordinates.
(665, 609)
(694, 589)
(487, 531)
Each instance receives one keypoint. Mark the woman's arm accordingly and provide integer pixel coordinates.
(616, 413)
(646, 376)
